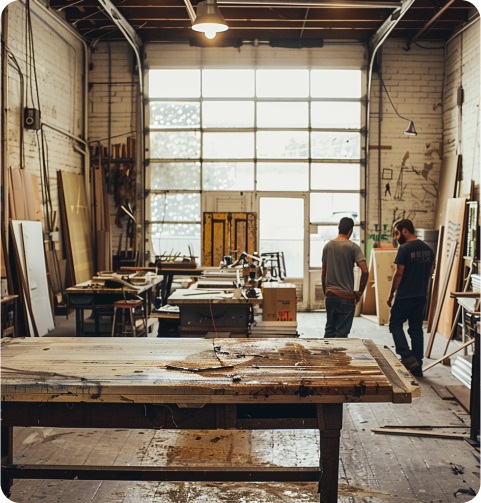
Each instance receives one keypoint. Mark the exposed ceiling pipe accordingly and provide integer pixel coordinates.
(436, 16)
(136, 43)
(190, 10)
(313, 3)
(374, 45)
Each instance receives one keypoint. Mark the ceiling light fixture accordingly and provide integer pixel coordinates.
(410, 130)
(209, 20)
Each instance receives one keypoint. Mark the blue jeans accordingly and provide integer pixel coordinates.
(412, 311)
(340, 314)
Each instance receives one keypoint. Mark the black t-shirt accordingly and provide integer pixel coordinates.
(417, 259)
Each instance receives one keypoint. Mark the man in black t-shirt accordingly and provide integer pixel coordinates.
(415, 262)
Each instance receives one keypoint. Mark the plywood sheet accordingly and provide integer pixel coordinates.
(454, 230)
(447, 187)
(77, 219)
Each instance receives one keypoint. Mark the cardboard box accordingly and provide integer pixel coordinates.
(279, 302)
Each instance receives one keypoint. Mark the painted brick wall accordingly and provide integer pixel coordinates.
(59, 63)
(461, 121)
(404, 170)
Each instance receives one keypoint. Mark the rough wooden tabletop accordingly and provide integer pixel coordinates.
(198, 371)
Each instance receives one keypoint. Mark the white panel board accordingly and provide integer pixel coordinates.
(29, 240)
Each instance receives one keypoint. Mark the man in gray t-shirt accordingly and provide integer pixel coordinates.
(338, 258)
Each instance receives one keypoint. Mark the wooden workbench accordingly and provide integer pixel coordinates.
(99, 299)
(193, 384)
(204, 310)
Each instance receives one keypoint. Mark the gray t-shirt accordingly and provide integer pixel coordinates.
(339, 257)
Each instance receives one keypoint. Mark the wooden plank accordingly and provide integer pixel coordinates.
(419, 433)
(384, 269)
(451, 353)
(433, 300)
(77, 213)
(454, 232)
(440, 302)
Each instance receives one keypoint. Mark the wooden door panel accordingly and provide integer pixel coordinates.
(228, 234)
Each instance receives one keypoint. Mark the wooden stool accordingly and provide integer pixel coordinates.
(127, 309)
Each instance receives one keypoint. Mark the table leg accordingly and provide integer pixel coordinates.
(329, 417)
(78, 321)
(7, 457)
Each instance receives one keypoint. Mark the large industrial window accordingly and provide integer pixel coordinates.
(261, 130)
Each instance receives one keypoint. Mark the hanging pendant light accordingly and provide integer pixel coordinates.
(410, 131)
(208, 19)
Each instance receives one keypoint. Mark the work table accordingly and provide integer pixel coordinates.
(269, 383)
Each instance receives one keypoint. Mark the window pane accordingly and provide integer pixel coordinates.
(175, 207)
(228, 145)
(172, 115)
(325, 234)
(336, 84)
(335, 176)
(280, 114)
(174, 83)
(332, 207)
(175, 176)
(282, 144)
(335, 115)
(177, 237)
(228, 83)
(282, 83)
(281, 228)
(228, 176)
(335, 145)
(282, 176)
(175, 145)
(233, 114)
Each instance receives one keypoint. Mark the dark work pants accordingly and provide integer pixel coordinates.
(412, 311)
(340, 313)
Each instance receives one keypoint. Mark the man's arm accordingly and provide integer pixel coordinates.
(395, 283)
(323, 277)
(364, 275)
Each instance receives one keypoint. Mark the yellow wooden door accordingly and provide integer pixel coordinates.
(228, 234)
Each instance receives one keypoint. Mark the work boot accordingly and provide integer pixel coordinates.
(410, 362)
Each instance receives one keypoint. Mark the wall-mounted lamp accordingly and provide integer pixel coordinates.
(209, 20)
(410, 130)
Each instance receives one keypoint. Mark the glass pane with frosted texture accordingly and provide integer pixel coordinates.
(335, 145)
(282, 144)
(174, 83)
(175, 207)
(281, 114)
(175, 145)
(176, 237)
(323, 235)
(228, 145)
(232, 114)
(228, 83)
(167, 114)
(282, 83)
(281, 229)
(336, 114)
(336, 83)
(335, 176)
(282, 176)
(228, 176)
(332, 207)
(175, 176)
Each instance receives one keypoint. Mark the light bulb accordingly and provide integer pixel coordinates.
(210, 34)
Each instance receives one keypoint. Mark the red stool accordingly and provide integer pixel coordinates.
(128, 314)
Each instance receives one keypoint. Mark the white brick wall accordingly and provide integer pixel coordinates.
(410, 165)
(59, 62)
(461, 123)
